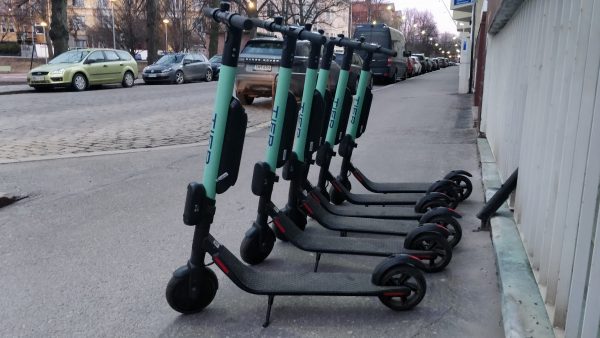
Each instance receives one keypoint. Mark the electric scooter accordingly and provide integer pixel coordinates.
(397, 280)
(456, 184)
(309, 138)
(427, 242)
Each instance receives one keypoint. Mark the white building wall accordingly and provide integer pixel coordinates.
(541, 113)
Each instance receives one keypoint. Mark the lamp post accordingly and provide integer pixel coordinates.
(166, 22)
(44, 24)
(112, 15)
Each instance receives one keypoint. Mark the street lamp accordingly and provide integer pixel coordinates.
(112, 14)
(166, 22)
(250, 4)
(423, 32)
(436, 44)
(430, 38)
(44, 24)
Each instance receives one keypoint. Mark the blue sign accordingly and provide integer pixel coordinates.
(462, 2)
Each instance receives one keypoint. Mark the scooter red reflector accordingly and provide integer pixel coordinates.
(394, 294)
(221, 265)
(308, 209)
(278, 225)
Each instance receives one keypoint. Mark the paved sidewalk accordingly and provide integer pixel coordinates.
(90, 252)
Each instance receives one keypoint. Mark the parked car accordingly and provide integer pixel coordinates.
(81, 68)
(215, 65)
(425, 65)
(384, 67)
(258, 66)
(178, 68)
(434, 64)
(355, 68)
(410, 69)
(416, 65)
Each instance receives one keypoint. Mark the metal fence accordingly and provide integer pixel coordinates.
(541, 113)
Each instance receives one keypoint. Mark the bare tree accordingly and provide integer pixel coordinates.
(420, 30)
(302, 11)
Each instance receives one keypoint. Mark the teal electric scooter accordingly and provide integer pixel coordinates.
(397, 281)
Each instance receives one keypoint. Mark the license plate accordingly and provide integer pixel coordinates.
(264, 68)
(152, 75)
(37, 78)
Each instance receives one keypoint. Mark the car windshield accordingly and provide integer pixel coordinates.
(215, 59)
(72, 56)
(263, 47)
(169, 59)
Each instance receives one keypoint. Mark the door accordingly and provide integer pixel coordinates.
(97, 68)
(115, 67)
(188, 67)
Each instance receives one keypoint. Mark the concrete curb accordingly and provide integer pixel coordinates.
(523, 310)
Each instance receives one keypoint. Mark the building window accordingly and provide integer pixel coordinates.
(78, 3)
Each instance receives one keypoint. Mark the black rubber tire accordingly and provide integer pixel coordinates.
(433, 242)
(79, 82)
(253, 250)
(465, 184)
(336, 197)
(177, 292)
(431, 205)
(452, 193)
(209, 75)
(452, 225)
(128, 80)
(408, 276)
(179, 77)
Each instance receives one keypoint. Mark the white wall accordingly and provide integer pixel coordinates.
(541, 113)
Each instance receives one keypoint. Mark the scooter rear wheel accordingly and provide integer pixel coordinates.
(186, 298)
(432, 242)
(408, 276)
(452, 225)
(465, 186)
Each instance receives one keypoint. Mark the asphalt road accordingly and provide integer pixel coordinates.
(90, 252)
(110, 118)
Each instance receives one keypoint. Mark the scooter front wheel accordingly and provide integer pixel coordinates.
(409, 277)
(190, 297)
(257, 246)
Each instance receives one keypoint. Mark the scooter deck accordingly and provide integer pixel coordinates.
(297, 283)
(390, 187)
(377, 199)
(366, 211)
(336, 245)
(356, 224)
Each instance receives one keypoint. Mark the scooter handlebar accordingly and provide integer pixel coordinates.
(232, 19)
(378, 49)
(299, 32)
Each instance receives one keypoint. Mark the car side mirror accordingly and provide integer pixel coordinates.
(88, 62)
(187, 62)
(406, 54)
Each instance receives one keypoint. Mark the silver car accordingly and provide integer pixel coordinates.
(178, 68)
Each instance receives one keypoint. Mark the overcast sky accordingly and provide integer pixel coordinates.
(436, 7)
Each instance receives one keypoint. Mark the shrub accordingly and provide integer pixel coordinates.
(10, 48)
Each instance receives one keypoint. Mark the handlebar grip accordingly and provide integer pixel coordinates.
(372, 48)
(312, 37)
(345, 42)
(229, 18)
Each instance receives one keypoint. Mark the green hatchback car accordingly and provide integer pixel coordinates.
(81, 68)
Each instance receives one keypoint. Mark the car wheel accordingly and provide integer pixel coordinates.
(79, 82)
(208, 76)
(128, 80)
(179, 77)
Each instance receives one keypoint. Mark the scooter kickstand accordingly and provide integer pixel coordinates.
(267, 320)
(317, 259)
